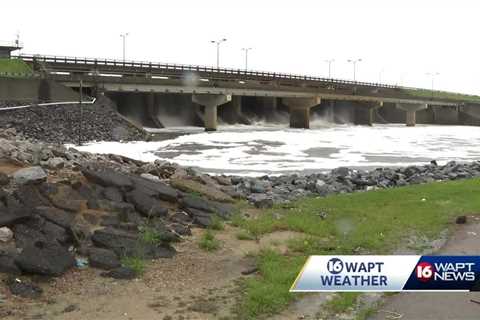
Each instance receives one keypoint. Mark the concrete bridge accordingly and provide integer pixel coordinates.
(145, 91)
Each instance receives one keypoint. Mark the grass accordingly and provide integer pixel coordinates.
(137, 264)
(149, 235)
(208, 242)
(376, 222)
(14, 66)
(245, 235)
(342, 302)
(216, 223)
(425, 93)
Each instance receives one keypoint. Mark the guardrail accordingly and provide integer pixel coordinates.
(152, 66)
(13, 44)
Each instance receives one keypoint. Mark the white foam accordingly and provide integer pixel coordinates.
(258, 150)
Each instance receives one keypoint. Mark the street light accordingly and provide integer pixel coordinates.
(124, 36)
(218, 42)
(380, 73)
(354, 62)
(433, 75)
(330, 61)
(246, 56)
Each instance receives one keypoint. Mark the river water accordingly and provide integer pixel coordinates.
(261, 149)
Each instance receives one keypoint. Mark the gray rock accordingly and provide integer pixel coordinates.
(24, 289)
(7, 264)
(113, 194)
(127, 244)
(55, 163)
(146, 205)
(4, 179)
(56, 216)
(121, 273)
(150, 177)
(5, 234)
(221, 209)
(109, 178)
(31, 175)
(45, 259)
(265, 203)
(103, 259)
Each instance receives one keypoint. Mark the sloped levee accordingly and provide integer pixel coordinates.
(71, 123)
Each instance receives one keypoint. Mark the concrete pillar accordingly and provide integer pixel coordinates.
(211, 102)
(445, 115)
(469, 114)
(365, 112)
(411, 110)
(270, 108)
(300, 110)
(152, 109)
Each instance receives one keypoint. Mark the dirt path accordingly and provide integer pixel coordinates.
(193, 285)
(440, 306)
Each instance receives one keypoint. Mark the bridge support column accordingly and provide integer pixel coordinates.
(365, 113)
(211, 102)
(152, 109)
(270, 108)
(469, 114)
(445, 114)
(300, 110)
(411, 109)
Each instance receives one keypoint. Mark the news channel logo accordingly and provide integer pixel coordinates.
(388, 273)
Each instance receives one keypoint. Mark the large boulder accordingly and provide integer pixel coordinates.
(155, 189)
(113, 194)
(7, 264)
(57, 216)
(30, 196)
(31, 175)
(212, 193)
(146, 205)
(194, 202)
(109, 178)
(128, 244)
(103, 259)
(10, 217)
(45, 258)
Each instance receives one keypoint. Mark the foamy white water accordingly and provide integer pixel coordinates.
(259, 150)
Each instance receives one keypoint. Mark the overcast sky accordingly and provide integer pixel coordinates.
(398, 41)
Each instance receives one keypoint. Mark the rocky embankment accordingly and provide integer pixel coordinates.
(61, 208)
(69, 123)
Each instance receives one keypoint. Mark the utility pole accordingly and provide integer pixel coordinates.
(354, 63)
(80, 126)
(330, 61)
(380, 75)
(433, 75)
(124, 36)
(218, 42)
(246, 56)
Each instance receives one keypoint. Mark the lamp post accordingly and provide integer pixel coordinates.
(330, 61)
(218, 42)
(354, 63)
(246, 56)
(124, 36)
(380, 74)
(433, 75)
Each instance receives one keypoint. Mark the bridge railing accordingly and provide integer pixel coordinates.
(152, 66)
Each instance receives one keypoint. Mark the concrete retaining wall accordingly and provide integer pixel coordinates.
(35, 90)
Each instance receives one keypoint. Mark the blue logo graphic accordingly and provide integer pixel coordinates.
(335, 266)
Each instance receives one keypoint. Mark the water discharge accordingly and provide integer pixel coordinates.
(273, 149)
